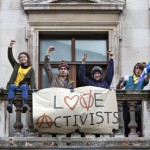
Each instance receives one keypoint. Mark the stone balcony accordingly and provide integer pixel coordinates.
(34, 140)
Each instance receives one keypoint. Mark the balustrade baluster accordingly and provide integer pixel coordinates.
(18, 124)
(132, 124)
(120, 132)
(30, 124)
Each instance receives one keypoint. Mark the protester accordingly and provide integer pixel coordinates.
(134, 82)
(96, 74)
(62, 79)
(22, 77)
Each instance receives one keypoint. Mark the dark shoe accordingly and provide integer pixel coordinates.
(24, 109)
(24, 105)
(9, 108)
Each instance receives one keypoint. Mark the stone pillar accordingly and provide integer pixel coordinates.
(120, 132)
(18, 124)
(132, 125)
(30, 124)
(146, 114)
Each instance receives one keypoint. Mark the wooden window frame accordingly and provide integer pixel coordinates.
(74, 64)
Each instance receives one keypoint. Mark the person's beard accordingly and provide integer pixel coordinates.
(62, 75)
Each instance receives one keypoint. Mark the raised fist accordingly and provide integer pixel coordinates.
(84, 58)
(110, 52)
(11, 43)
(51, 48)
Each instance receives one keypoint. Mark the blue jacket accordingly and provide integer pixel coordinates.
(129, 85)
(103, 82)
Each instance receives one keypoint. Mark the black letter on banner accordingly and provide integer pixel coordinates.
(66, 119)
(97, 114)
(55, 122)
(75, 120)
(114, 114)
(84, 119)
(96, 105)
(92, 119)
(55, 104)
(107, 116)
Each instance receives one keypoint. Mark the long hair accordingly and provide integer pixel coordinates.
(139, 65)
(28, 58)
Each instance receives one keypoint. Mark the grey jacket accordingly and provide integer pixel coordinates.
(54, 78)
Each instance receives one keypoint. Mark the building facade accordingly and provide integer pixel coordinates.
(74, 27)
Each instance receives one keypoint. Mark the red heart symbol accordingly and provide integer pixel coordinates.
(71, 102)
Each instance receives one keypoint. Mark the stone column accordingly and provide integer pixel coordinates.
(120, 132)
(30, 124)
(132, 125)
(18, 124)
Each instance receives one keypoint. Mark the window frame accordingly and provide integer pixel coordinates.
(74, 64)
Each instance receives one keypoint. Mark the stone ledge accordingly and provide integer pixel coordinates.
(122, 95)
(75, 143)
(47, 5)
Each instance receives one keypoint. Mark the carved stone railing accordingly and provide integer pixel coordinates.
(130, 96)
(18, 104)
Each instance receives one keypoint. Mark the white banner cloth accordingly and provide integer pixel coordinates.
(89, 109)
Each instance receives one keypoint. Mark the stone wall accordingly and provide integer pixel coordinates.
(12, 26)
(134, 41)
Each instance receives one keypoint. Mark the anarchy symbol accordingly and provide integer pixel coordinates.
(44, 121)
(89, 104)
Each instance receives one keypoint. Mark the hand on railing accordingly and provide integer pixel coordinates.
(33, 90)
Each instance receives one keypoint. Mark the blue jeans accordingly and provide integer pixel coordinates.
(24, 88)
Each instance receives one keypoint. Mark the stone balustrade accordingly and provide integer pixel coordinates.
(131, 97)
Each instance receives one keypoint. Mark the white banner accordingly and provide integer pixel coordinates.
(89, 109)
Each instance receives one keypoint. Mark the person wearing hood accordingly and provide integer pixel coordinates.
(96, 74)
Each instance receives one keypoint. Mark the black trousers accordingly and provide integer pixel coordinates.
(126, 117)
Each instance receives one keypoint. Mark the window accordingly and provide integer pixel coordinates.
(71, 47)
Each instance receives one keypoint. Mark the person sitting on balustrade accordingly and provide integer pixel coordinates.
(22, 77)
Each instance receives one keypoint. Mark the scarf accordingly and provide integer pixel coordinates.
(135, 79)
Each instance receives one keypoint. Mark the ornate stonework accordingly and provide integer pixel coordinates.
(73, 1)
(73, 4)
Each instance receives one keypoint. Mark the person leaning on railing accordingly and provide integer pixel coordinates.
(134, 82)
(96, 74)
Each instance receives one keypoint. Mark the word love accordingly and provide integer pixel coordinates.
(86, 100)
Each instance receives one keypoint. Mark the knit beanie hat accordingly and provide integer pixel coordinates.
(96, 69)
(63, 64)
